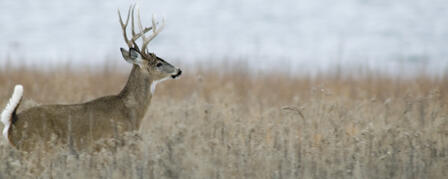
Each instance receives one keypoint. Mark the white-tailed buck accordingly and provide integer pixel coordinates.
(82, 124)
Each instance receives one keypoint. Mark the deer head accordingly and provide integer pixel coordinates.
(148, 63)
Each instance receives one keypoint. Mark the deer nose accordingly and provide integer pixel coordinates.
(179, 72)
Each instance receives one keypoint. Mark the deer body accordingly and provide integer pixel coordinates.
(80, 125)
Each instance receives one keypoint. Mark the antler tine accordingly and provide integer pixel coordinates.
(140, 26)
(134, 36)
(124, 26)
(142, 30)
(156, 31)
(132, 22)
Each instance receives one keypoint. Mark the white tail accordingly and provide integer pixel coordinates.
(10, 109)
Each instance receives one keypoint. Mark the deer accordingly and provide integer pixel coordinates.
(80, 125)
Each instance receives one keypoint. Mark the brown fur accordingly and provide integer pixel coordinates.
(80, 125)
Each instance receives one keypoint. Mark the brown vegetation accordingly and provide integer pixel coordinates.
(230, 124)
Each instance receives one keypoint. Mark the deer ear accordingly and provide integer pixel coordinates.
(132, 56)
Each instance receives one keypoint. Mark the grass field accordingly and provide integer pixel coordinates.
(225, 123)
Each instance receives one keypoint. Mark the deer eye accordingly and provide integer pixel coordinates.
(158, 64)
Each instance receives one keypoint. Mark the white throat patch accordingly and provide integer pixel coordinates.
(155, 82)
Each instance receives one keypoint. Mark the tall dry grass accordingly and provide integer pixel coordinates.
(229, 123)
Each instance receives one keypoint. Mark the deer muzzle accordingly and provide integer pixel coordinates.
(178, 73)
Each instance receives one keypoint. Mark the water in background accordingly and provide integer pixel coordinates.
(292, 35)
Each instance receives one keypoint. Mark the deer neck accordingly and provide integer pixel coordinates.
(137, 95)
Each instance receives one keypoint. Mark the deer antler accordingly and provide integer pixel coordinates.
(131, 42)
(156, 30)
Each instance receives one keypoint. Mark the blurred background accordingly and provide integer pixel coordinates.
(294, 36)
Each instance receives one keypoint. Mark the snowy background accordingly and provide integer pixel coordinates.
(298, 35)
